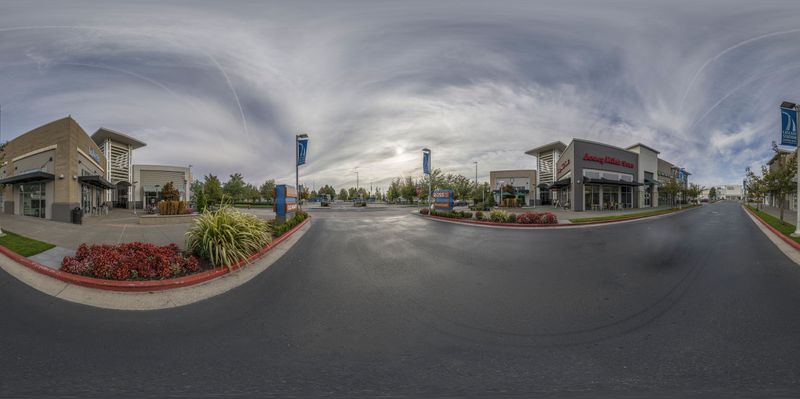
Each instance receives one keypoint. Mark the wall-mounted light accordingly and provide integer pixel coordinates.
(61, 176)
(74, 177)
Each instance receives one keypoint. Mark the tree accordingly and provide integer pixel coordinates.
(694, 191)
(200, 202)
(329, 191)
(672, 188)
(252, 193)
(343, 195)
(235, 187)
(756, 189)
(409, 189)
(170, 193)
(461, 186)
(213, 190)
(352, 193)
(267, 190)
(712, 194)
(393, 193)
(779, 180)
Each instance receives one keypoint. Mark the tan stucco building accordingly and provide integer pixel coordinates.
(50, 171)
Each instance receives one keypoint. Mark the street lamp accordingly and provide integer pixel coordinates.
(134, 197)
(427, 152)
(297, 164)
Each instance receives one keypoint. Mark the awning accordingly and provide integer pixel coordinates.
(612, 182)
(561, 183)
(543, 186)
(123, 183)
(651, 182)
(96, 181)
(28, 178)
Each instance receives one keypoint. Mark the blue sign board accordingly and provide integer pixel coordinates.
(302, 147)
(443, 200)
(789, 127)
(426, 162)
(285, 203)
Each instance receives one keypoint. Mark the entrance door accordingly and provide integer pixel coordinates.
(545, 197)
(32, 199)
(611, 197)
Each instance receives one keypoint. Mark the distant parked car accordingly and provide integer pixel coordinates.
(460, 203)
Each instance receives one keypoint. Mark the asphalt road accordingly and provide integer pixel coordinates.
(389, 304)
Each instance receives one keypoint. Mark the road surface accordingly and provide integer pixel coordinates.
(387, 303)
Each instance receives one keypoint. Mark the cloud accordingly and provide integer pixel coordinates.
(227, 88)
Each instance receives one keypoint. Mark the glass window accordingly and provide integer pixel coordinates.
(591, 197)
(627, 197)
(32, 199)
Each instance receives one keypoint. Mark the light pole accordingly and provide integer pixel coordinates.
(427, 152)
(297, 164)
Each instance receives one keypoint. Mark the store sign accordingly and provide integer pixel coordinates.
(443, 200)
(94, 155)
(563, 165)
(608, 160)
(789, 127)
(285, 202)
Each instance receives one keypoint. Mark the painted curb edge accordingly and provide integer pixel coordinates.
(775, 231)
(147, 285)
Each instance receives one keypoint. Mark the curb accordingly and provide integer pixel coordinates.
(534, 226)
(794, 244)
(146, 285)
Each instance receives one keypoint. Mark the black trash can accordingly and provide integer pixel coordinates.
(77, 216)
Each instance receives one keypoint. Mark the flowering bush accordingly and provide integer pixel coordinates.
(479, 215)
(131, 261)
(424, 211)
(537, 218)
(511, 218)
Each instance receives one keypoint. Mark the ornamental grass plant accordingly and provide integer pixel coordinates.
(226, 236)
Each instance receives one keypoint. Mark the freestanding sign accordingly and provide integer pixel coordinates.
(443, 200)
(789, 127)
(285, 203)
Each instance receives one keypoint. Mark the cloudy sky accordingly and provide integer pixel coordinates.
(224, 86)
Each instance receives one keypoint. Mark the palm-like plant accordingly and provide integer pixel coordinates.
(226, 236)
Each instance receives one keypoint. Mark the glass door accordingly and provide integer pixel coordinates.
(610, 197)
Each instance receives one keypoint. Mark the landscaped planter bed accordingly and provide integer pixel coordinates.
(497, 217)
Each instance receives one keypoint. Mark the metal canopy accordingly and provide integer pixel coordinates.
(28, 178)
(96, 181)
(611, 182)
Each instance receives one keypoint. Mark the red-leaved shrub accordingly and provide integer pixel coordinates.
(424, 211)
(131, 261)
(537, 218)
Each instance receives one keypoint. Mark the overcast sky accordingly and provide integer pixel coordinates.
(225, 86)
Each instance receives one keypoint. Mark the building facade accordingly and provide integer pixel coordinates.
(589, 175)
(150, 179)
(546, 157)
(50, 171)
(523, 183)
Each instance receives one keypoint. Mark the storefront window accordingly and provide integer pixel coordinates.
(627, 197)
(32, 199)
(591, 199)
(610, 197)
(86, 199)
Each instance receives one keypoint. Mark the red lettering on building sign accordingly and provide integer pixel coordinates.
(610, 160)
(562, 166)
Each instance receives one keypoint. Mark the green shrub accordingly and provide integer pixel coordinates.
(226, 236)
(479, 215)
(498, 216)
(466, 214)
(425, 211)
(279, 230)
(511, 218)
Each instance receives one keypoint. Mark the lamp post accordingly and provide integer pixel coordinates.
(297, 165)
(427, 152)
(134, 197)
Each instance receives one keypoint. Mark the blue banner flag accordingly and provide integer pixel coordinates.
(789, 127)
(302, 147)
(426, 162)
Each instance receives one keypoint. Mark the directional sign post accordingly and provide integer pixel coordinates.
(285, 204)
(300, 150)
(443, 200)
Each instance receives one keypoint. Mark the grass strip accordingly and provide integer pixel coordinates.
(785, 228)
(23, 245)
(630, 215)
